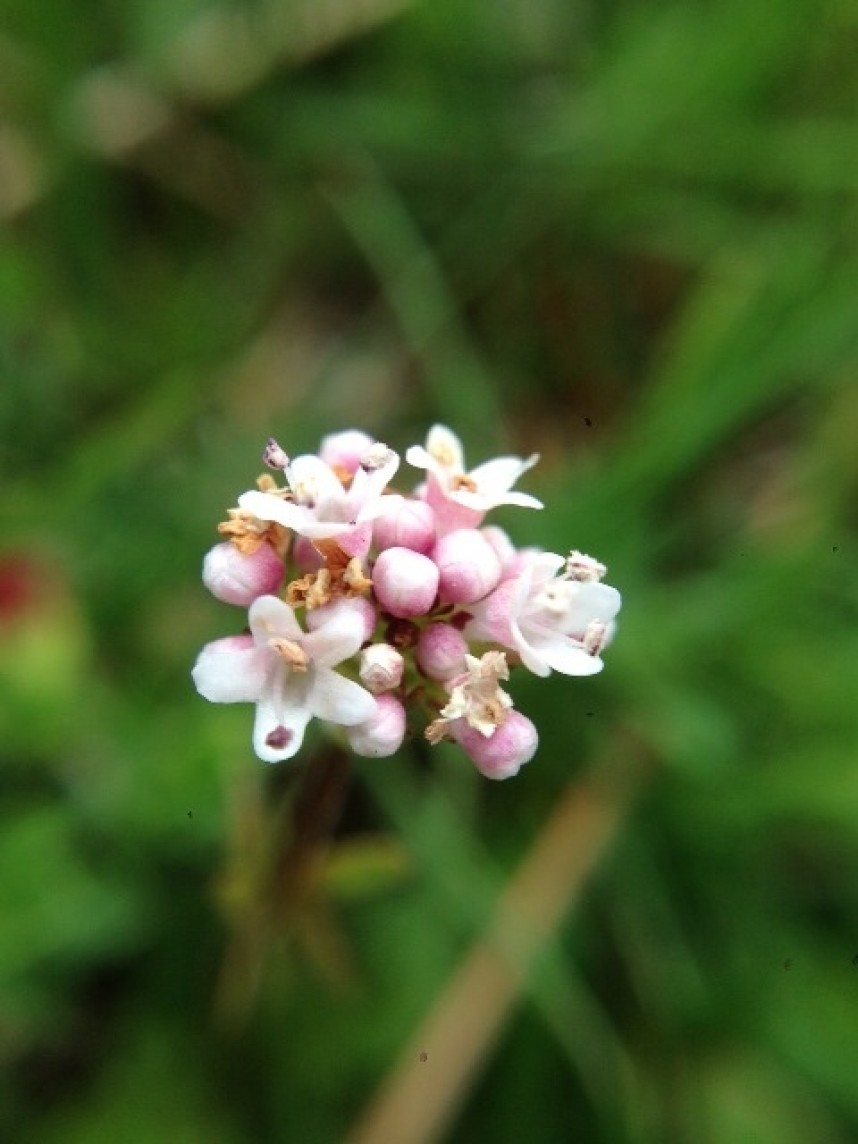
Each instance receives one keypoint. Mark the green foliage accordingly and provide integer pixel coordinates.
(619, 234)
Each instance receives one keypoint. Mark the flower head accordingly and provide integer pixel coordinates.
(366, 603)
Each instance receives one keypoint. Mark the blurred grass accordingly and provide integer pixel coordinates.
(620, 234)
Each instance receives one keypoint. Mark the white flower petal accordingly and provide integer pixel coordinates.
(590, 600)
(278, 732)
(267, 506)
(445, 448)
(544, 567)
(337, 639)
(316, 485)
(530, 656)
(521, 500)
(417, 456)
(339, 700)
(314, 529)
(497, 476)
(568, 658)
(269, 616)
(224, 675)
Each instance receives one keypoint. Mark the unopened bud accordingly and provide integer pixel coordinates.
(238, 577)
(468, 565)
(504, 753)
(441, 651)
(381, 667)
(405, 582)
(306, 556)
(404, 523)
(382, 734)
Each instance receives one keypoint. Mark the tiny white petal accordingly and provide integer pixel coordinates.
(278, 732)
(236, 676)
(339, 700)
(270, 617)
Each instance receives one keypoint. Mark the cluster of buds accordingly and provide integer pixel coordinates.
(367, 605)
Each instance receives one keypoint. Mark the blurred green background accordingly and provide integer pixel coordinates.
(618, 232)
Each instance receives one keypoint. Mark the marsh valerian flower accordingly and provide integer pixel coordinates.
(367, 603)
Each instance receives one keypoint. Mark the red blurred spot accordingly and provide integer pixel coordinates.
(18, 586)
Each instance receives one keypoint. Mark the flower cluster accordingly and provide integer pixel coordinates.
(366, 603)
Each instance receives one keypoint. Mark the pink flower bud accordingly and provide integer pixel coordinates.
(238, 578)
(381, 667)
(318, 617)
(503, 754)
(344, 450)
(405, 523)
(405, 582)
(382, 734)
(441, 651)
(306, 557)
(469, 567)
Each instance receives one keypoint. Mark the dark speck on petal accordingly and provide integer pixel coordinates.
(279, 738)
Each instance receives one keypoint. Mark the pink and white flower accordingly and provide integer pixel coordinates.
(288, 673)
(552, 621)
(318, 505)
(460, 498)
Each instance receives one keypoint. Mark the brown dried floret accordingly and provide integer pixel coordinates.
(341, 577)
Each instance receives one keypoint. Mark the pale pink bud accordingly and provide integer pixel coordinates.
(505, 752)
(381, 667)
(405, 523)
(237, 577)
(405, 582)
(318, 617)
(382, 734)
(344, 450)
(468, 565)
(440, 651)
